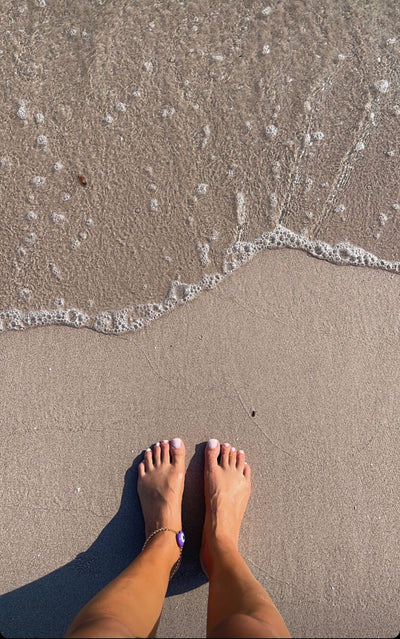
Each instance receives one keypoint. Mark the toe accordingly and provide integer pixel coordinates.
(211, 453)
(177, 451)
(240, 459)
(247, 471)
(157, 454)
(165, 458)
(225, 455)
(141, 469)
(232, 457)
(148, 460)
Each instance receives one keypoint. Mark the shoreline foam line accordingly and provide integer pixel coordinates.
(132, 318)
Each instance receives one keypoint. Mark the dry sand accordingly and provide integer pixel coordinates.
(316, 357)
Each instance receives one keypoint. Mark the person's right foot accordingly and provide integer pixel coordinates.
(227, 490)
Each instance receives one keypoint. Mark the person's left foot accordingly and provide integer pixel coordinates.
(160, 485)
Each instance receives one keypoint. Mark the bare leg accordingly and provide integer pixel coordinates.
(238, 606)
(130, 606)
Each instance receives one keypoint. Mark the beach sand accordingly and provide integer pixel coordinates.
(315, 356)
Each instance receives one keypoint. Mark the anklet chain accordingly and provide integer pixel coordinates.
(180, 540)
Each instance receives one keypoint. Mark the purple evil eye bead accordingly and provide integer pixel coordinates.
(180, 538)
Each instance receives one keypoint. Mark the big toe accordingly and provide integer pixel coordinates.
(177, 450)
(211, 453)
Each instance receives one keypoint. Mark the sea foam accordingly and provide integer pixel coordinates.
(133, 318)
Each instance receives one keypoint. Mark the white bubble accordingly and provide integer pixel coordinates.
(38, 180)
(360, 146)
(58, 218)
(340, 208)
(391, 40)
(266, 11)
(240, 208)
(25, 294)
(202, 189)
(382, 86)
(318, 135)
(137, 94)
(30, 238)
(41, 140)
(148, 65)
(58, 166)
(203, 249)
(120, 106)
(153, 204)
(109, 118)
(266, 49)
(271, 130)
(39, 118)
(21, 113)
(166, 113)
(31, 215)
(65, 197)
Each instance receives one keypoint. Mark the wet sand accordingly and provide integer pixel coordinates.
(316, 358)
(194, 125)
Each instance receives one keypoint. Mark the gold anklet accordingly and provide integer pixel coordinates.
(180, 540)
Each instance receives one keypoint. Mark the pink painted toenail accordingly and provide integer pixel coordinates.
(212, 443)
(165, 441)
(176, 442)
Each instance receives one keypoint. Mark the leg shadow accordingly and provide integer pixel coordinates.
(47, 606)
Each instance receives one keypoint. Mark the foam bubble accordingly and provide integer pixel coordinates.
(22, 113)
(271, 130)
(58, 218)
(266, 49)
(41, 140)
(120, 106)
(202, 189)
(31, 215)
(39, 118)
(58, 166)
(360, 146)
(203, 249)
(382, 86)
(38, 180)
(240, 208)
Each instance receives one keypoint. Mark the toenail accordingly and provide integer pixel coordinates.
(148, 450)
(212, 443)
(241, 451)
(157, 443)
(176, 442)
(165, 441)
(233, 449)
(226, 444)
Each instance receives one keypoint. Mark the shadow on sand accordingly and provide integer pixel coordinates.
(47, 606)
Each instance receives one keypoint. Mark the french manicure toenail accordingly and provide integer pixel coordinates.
(157, 443)
(176, 442)
(212, 443)
(233, 449)
(226, 444)
(148, 450)
(241, 451)
(165, 441)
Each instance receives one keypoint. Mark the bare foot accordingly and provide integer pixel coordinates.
(160, 487)
(227, 491)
